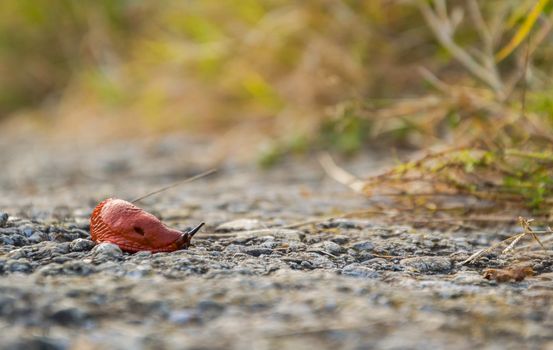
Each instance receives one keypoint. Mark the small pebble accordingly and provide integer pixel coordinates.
(358, 270)
(80, 245)
(183, 316)
(340, 239)
(364, 246)
(427, 263)
(69, 317)
(3, 219)
(107, 250)
(257, 251)
(19, 266)
(332, 248)
(37, 237)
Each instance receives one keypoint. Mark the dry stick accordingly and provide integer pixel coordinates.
(544, 240)
(339, 174)
(190, 179)
(483, 251)
(513, 243)
(525, 224)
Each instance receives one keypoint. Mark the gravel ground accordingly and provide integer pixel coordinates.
(245, 283)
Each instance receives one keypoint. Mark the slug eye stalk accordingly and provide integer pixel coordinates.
(191, 232)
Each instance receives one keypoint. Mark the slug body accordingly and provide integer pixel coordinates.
(133, 229)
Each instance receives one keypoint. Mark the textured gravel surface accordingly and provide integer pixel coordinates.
(245, 283)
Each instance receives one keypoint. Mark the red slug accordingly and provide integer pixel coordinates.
(133, 229)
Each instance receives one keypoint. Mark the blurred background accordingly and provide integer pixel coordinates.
(275, 76)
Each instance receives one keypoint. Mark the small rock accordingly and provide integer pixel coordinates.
(3, 219)
(107, 250)
(18, 240)
(81, 233)
(296, 246)
(60, 236)
(142, 255)
(183, 316)
(234, 249)
(27, 231)
(5, 240)
(340, 239)
(427, 263)
(257, 251)
(60, 248)
(37, 237)
(270, 244)
(140, 271)
(364, 246)
(210, 309)
(17, 253)
(50, 269)
(345, 223)
(467, 277)
(37, 343)
(18, 266)
(70, 316)
(78, 268)
(332, 248)
(239, 225)
(81, 244)
(357, 270)
(287, 234)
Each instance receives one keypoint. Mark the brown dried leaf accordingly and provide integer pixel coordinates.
(515, 273)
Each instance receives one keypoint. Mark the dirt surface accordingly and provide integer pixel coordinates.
(246, 282)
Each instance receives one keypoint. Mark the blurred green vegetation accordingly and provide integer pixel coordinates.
(180, 64)
(324, 73)
(44, 45)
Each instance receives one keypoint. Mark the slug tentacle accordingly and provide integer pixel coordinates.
(193, 231)
(133, 229)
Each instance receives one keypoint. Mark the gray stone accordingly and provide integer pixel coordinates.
(78, 268)
(37, 237)
(332, 248)
(20, 265)
(37, 342)
(270, 244)
(3, 219)
(81, 244)
(27, 230)
(234, 249)
(468, 277)
(340, 239)
(358, 270)
(69, 317)
(257, 251)
(363, 246)
(107, 251)
(427, 263)
(184, 316)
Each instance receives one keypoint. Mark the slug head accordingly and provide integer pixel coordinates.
(186, 236)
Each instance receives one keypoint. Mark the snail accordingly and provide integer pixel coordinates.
(133, 229)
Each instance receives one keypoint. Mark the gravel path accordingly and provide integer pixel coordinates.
(245, 283)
